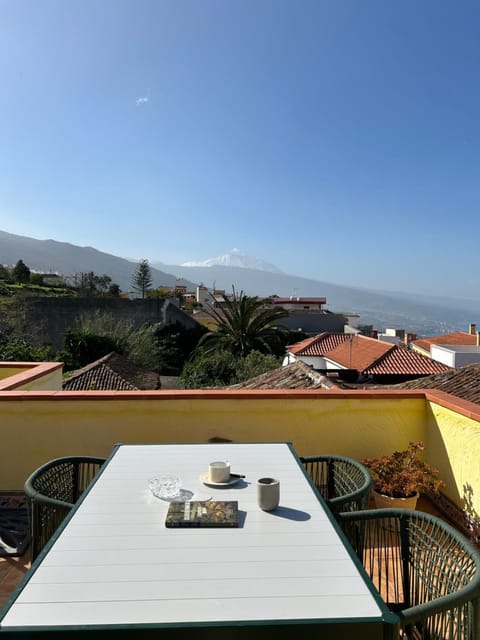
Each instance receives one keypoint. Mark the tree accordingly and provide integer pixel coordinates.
(91, 285)
(245, 324)
(103, 284)
(142, 278)
(114, 290)
(36, 278)
(18, 350)
(174, 344)
(85, 282)
(222, 368)
(82, 347)
(20, 272)
(138, 344)
(15, 325)
(162, 293)
(255, 364)
(5, 273)
(216, 369)
(290, 336)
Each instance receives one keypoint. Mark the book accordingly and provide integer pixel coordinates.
(209, 513)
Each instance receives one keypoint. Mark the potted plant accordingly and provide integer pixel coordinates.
(399, 478)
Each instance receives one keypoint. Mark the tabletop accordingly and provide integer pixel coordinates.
(115, 564)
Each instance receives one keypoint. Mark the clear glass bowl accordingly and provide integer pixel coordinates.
(165, 486)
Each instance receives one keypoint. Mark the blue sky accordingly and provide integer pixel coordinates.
(339, 140)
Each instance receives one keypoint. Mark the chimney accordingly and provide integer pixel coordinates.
(409, 337)
(472, 329)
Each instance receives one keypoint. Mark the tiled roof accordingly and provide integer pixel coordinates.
(296, 375)
(403, 361)
(359, 352)
(462, 382)
(113, 372)
(318, 345)
(458, 338)
(368, 356)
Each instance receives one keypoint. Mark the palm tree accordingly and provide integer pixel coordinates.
(244, 324)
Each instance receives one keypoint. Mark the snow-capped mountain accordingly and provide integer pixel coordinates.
(426, 316)
(236, 258)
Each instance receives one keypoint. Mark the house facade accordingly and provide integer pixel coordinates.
(357, 358)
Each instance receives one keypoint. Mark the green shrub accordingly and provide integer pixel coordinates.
(222, 368)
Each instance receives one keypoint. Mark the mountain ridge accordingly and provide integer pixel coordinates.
(68, 259)
(377, 308)
(381, 309)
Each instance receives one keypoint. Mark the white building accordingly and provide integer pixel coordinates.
(455, 355)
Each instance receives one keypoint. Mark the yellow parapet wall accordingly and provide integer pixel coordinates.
(38, 426)
(8, 371)
(31, 376)
(454, 448)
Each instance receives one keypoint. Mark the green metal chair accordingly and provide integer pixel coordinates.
(344, 483)
(426, 572)
(52, 490)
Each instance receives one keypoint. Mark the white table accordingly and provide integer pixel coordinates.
(115, 568)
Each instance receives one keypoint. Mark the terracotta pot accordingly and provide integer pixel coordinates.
(387, 502)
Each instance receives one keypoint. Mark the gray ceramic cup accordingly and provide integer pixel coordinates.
(268, 493)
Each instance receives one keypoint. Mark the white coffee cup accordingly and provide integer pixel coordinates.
(219, 471)
(268, 493)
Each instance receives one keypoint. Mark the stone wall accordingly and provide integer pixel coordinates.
(49, 318)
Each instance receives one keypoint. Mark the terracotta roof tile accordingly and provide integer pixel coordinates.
(113, 372)
(296, 375)
(462, 382)
(458, 338)
(368, 356)
(100, 378)
(404, 361)
(359, 352)
(318, 345)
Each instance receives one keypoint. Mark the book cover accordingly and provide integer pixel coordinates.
(208, 513)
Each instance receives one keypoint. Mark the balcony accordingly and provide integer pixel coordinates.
(40, 422)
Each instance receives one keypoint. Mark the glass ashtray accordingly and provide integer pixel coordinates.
(165, 486)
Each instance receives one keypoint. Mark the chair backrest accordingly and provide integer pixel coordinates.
(52, 490)
(424, 569)
(344, 483)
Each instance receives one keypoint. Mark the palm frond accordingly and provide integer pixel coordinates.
(244, 324)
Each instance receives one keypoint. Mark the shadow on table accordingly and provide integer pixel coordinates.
(290, 514)
(240, 484)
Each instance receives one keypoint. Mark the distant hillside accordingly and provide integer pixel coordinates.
(396, 310)
(423, 316)
(68, 259)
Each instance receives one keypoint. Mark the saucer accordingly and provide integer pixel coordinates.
(229, 483)
(182, 496)
(186, 495)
